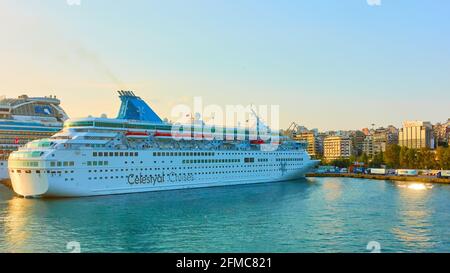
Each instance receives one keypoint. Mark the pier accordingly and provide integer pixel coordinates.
(423, 179)
(6, 183)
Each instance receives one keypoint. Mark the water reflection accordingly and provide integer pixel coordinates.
(18, 222)
(332, 190)
(414, 213)
(324, 215)
(155, 222)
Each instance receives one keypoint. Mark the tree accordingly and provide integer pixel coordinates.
(392, 156)
(377, 160)
(364, 158)
(425, 159)
(411, 156)
(443, 158)
(403, 157)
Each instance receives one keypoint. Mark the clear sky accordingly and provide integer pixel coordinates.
(329, 64)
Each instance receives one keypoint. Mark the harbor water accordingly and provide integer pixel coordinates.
(311, 215)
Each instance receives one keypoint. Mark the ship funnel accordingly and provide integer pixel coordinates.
(134, 108)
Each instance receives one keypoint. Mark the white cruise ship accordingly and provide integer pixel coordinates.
(24, 119)
(138, 152)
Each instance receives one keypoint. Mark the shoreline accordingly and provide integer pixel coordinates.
(384, 177)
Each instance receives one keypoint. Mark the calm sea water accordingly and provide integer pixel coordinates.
(314, 215)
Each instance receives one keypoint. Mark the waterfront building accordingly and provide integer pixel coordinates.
(337, 147)
(442, 133)
(357, 138)
(314, 142)
(416, 135)
(383, 137)
(366, 131)
(368, 146)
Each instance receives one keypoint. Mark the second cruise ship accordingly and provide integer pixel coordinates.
(138, 152)
(24, 119)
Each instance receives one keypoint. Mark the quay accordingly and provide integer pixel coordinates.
(423, 179)
(6, 183)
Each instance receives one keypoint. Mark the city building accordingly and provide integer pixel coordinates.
(383, 137)
(368, 146)
(315, 143)
(337, 147)
(416, 135)
(357, 138)
(442, 133)
(366, 131)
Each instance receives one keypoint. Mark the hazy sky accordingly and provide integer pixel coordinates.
(329, 64)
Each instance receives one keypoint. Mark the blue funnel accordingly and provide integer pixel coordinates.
(134, 108)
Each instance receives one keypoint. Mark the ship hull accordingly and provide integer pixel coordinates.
(3, 170)
(111, 180)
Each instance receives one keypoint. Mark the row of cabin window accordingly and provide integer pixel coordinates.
(62, 164)
(195, 161)
(289, 159)
(111, 154)
(97, 163)
(183, 154)
(17, 164)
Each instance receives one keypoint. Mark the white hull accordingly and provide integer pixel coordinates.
(146, 173)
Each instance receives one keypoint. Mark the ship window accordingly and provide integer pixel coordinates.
(136, 154)
(59, 164)
(89, 163)
(71, 163)
(94, 163)
(100, 154)
(111, 154)
(100, 163)
(116, 154)
(66, 163)
(52, 164)
(105, 163)
(121, 153)
(126, 153)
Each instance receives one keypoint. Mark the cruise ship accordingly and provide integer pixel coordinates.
(139, 152)
(25, 119)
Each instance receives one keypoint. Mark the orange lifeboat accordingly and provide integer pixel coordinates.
(136, 134)
(257, 142)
